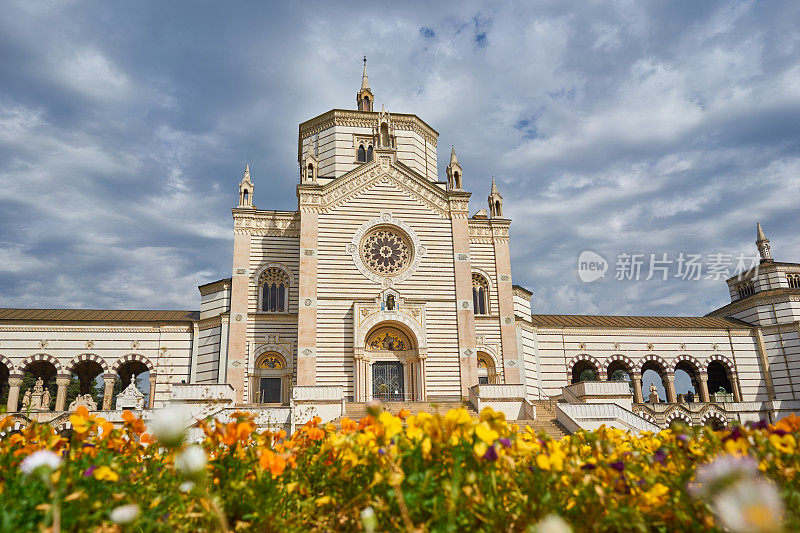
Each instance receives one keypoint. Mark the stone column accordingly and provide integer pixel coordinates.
(240, 285)
(763, 358)
(737, 394)
(637, 388)
(309, 197)
(512, 364)
(14, 383)
(465, 316)
(152, 396)
(703, 379)
(423, 388)
(358, 379)
(108, 390)
(671, 396)
(62, 380)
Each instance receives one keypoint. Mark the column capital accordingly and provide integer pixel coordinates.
(63, 379)
(109, 376)
(703, 376)
(15, 380)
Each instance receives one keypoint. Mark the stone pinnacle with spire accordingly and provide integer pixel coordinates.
(763, 244)
(453, 158)
(494, 187)
(364, 97)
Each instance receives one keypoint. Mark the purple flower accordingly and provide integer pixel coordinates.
(619, 466)
(660, 455)
(491, 454)
(589, 466)
(89, 471)
(761, 424)
(505, 442)
(381, 451)
(735, 433)
(683, 438)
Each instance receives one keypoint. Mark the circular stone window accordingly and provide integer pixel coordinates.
(386, 251)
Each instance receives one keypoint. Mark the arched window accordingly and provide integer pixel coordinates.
(361, 156)
(365, 105)
(794, 280)
(369, 153)
(274, 284)
(457, 179)
(745, 289)
(480, 295)
(245, 197)
(385, 135)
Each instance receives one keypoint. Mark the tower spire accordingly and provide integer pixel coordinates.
(763, 244)
(364, 97)
(495, 202)
(454, 172)
(246, 189)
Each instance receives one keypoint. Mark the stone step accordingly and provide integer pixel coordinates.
(551, 427)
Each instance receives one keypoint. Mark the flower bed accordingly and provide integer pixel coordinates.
(414, 473)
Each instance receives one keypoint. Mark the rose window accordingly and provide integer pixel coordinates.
(386, 251)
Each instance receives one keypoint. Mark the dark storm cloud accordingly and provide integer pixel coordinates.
(646, 127)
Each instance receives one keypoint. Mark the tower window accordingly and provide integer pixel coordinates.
(361, 155)
(245, 197)
(369, 153)
(480, 294)
(745, 289)
(794, 280)
(385, 135)
(274, 284)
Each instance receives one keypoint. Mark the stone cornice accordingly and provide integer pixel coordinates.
(767, 297)
(215, 286)
(488, 231)
(289, 318)
(764, 268)
(594, 331)
(272, 223)
(95, 328)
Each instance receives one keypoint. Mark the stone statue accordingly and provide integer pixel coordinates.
(85, 400)
(45, 405)
(653, 393)
(26, 400)
(131, 397)
(39, 386)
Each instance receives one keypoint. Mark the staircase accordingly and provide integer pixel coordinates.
(357, 410)
(545, 420)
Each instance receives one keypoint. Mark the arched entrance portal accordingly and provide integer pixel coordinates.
(390, 368)
(271, 378)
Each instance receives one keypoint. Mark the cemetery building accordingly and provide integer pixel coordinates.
(390, 282)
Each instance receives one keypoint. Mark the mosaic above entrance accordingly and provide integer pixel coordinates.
(388, 339)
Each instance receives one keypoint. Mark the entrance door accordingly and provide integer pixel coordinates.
(270, 391)
(387, 381)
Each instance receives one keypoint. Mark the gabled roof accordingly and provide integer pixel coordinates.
(95, 315)
(642, 322)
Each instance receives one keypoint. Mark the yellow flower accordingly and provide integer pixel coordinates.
(485, 433)
(785, 444)
(656, 496)
(457, 417)
(426, 448)
(104, 473)
(543, 461)
(480, 449)
(323, 500)
(391, 424)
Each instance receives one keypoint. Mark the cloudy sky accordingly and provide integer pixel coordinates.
(624, 127)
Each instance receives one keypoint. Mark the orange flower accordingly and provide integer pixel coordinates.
(789, 423)
(403, 414)
(269, 460)
(349, 426)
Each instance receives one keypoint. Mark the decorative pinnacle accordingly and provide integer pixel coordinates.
(453, 158)
(364, 79)
(494, 187)
(247, 171)
(760, 235)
